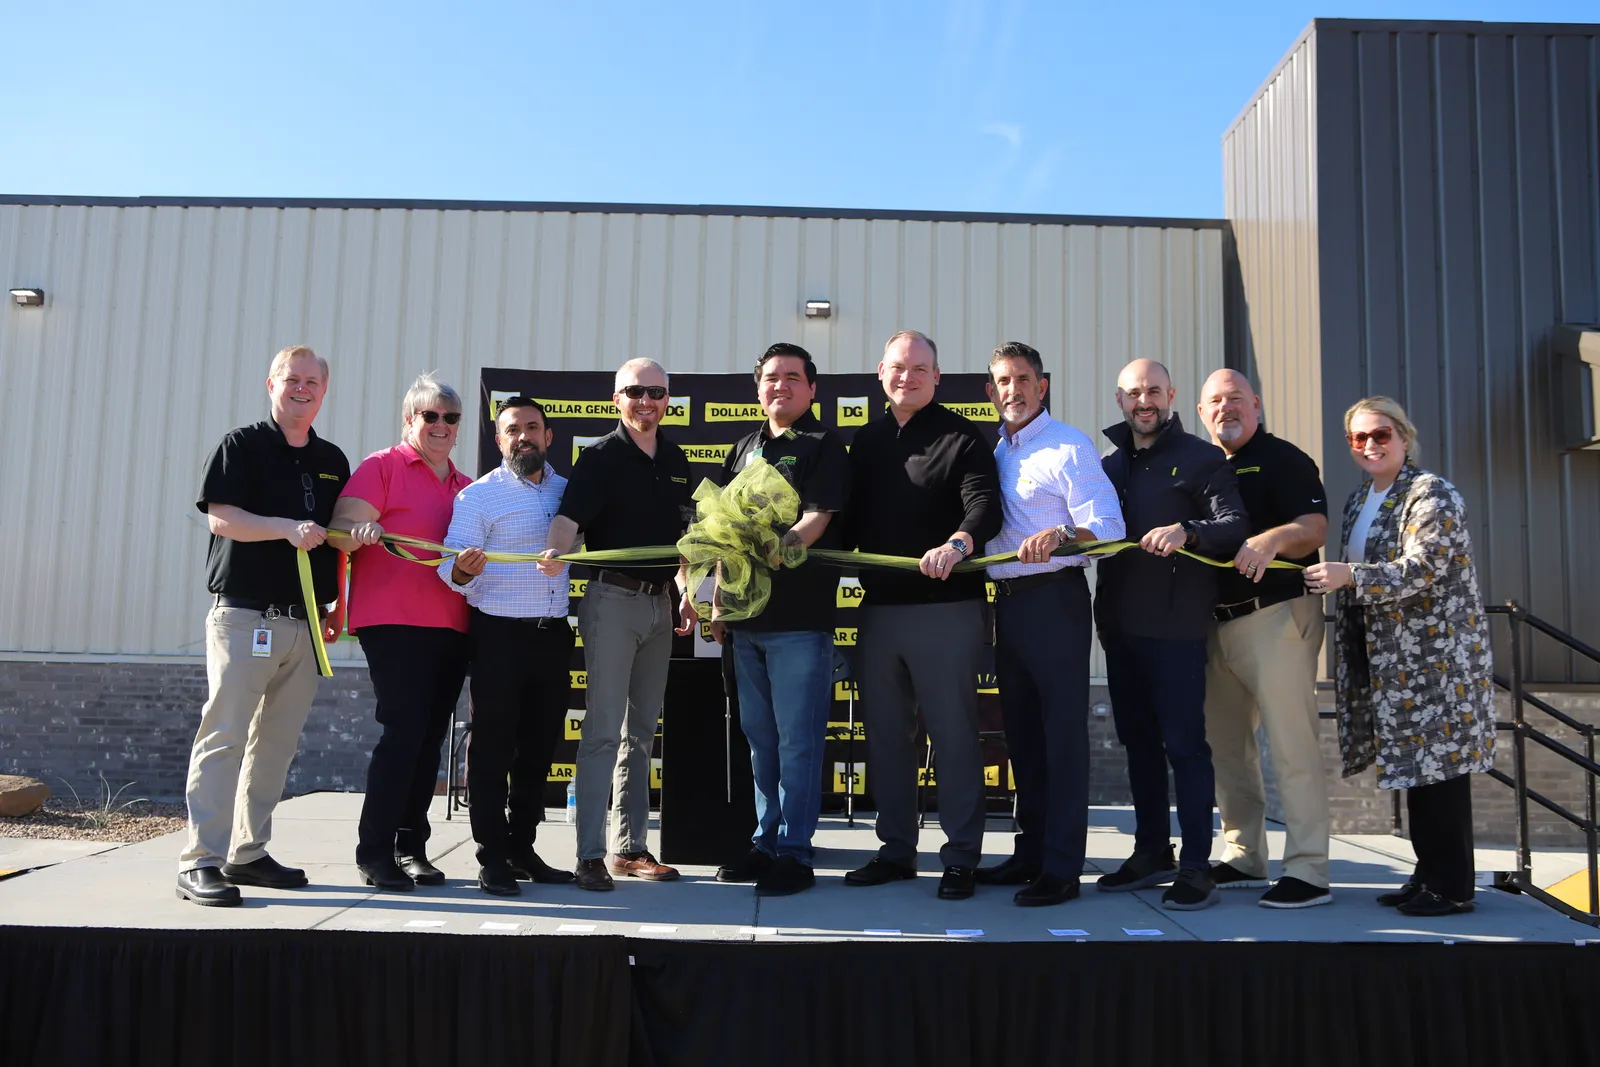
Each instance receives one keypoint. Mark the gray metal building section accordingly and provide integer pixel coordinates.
(1435, 187)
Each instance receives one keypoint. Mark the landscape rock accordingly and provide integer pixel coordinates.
(21, 796)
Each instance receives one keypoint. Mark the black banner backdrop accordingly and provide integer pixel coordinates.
(706, 415)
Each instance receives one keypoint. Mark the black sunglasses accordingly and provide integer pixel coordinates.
(635, 392)
(430, 417)
(311, 498)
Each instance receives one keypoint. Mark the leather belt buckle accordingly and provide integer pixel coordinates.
(1229, 612)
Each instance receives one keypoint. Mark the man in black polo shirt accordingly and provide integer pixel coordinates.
(783, 657)
(1261, 656)
(268, 490)
(630, 489)
(923, 484)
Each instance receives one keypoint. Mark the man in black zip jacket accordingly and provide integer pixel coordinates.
(1152, 609)
(923, 484)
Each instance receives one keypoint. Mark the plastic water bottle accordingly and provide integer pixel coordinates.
(572, 802)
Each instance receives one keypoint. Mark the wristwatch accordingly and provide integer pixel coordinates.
(1189, 536)
(960, 546)
(1068, 532)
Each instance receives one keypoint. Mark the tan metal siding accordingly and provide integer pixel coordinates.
(1270, 193)
(160, 323)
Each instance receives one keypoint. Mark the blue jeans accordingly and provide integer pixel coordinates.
(1158, 698)
(784, 679)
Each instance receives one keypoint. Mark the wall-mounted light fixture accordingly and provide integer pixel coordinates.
(819, 309)
(24, 298)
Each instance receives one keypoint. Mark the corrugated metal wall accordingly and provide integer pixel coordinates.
(160, 322)
(1270, 190)
(1457, 220)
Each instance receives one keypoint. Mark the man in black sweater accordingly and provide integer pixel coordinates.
(923, 484)
(1153, 608)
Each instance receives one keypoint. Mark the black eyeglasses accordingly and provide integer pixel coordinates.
(654, 392)
(430, 417)
(311, 498)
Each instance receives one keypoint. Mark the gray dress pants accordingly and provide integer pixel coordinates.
(923, 656)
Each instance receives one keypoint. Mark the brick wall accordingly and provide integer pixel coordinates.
(134, 722)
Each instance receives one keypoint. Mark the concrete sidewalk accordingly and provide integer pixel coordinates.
(131, 886)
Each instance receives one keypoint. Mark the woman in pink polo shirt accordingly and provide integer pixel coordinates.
(413, 631)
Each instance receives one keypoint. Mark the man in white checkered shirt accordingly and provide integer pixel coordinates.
(1054, 492)
(522, 646)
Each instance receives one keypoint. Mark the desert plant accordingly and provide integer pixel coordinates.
(106, 805)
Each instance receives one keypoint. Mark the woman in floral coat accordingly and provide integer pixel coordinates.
(1415, 682)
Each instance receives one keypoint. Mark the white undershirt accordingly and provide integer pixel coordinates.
(1356, 550)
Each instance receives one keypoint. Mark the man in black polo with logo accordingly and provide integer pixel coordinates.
(1152, 608)
(923, 484)
(268, 490)
(1261, 657)
(783, 657)
(630, 489)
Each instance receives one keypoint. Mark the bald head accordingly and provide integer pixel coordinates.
(1229, 409)
(1144, 393)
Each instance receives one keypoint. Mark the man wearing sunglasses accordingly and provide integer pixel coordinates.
(630, 489)
(268, 490)
(1261, 657)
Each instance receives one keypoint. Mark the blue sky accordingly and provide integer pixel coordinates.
(1009, 105)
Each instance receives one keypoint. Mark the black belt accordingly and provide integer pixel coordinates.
(1013, 586)
(1229, 612)
(270, 611)
(633, 585)
(538, 622)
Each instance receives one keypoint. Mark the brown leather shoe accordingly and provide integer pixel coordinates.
(640, 865)
(592, 875)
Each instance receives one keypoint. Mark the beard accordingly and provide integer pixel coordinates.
(526, 462)
(1162, 415)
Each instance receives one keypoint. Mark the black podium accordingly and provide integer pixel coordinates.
(707, 789)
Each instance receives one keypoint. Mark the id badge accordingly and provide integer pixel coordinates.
(261, 642)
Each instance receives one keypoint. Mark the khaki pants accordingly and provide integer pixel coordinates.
(1262, 669)
(249, 731)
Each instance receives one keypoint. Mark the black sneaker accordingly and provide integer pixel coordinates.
(1430, 905)
(786, 877)
(1141, 871)
(1289, 892)
(747, 868)
(1227, 876)
(1191, 891)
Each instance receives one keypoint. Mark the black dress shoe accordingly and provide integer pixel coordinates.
(957, 883)
(1014, 871)
(1404, 895)
(1046, 890)
(386, 876)
(205, 885)
(879, 872)
(747, 868)
(1430, 905)
(265, 872)
(498, 879)
(528, 867)
(419, 870)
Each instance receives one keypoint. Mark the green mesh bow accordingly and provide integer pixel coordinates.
(737, 538)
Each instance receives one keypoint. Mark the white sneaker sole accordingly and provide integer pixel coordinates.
(1314, 902)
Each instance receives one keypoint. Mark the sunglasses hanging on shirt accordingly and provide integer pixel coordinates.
(311, 498)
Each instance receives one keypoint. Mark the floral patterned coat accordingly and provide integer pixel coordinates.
(1415, 689)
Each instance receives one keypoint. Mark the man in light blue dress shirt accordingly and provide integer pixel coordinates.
(1053, 492)
(522, 647)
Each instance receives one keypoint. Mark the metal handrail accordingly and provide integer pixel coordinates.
(1521, 880)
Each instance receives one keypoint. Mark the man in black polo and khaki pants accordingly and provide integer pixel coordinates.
(268, 490)
(630, 489)
(1261, 657)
